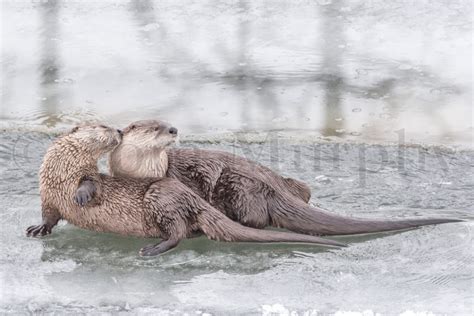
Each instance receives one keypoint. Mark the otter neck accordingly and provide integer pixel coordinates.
(148, 163)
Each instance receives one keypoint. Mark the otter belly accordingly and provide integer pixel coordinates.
(116, 208)
(102, 219)
(115, 211)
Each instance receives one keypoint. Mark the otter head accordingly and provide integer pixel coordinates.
(96, 139)
(149, 135)
(141, 153)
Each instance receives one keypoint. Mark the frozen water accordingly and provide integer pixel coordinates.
(427, 269)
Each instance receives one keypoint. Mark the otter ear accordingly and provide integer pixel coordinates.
(129, 128)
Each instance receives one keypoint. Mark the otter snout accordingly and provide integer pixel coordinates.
(173, 131)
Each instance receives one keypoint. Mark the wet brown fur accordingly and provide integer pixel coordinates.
(148, 207)
(246, 192)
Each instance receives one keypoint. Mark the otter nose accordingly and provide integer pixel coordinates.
(173, 130)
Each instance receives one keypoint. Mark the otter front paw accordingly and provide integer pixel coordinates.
(82, 197)
(38, 230)
(85, 193)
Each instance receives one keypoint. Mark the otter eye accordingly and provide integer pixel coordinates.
(133, 127)
(156, 129)
(75, 129)
(103, 126)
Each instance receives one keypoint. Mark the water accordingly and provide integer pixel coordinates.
(352, 70)
(316, 90)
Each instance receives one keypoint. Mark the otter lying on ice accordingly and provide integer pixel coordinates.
(150, 207)
(246, 192)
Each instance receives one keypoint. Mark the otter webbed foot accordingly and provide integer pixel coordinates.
(85, 192)
(156, 249)
(38, 230)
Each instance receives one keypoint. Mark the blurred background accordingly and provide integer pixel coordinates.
(364, 70)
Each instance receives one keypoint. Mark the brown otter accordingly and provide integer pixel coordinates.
(143, 153)
(245, 191)
(72, 189)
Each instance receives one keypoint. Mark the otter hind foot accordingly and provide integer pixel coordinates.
(156, 249)
(38, 230)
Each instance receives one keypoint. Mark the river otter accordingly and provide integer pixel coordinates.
(71, 188)
(142, 154)
(245, 191)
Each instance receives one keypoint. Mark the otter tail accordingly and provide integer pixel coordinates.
(302, 218)
(217, 226)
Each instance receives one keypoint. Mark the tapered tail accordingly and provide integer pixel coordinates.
(217, 226)
(302, 218)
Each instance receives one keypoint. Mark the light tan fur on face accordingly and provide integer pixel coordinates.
(100, 139)
(142, 151)
(95, 140)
